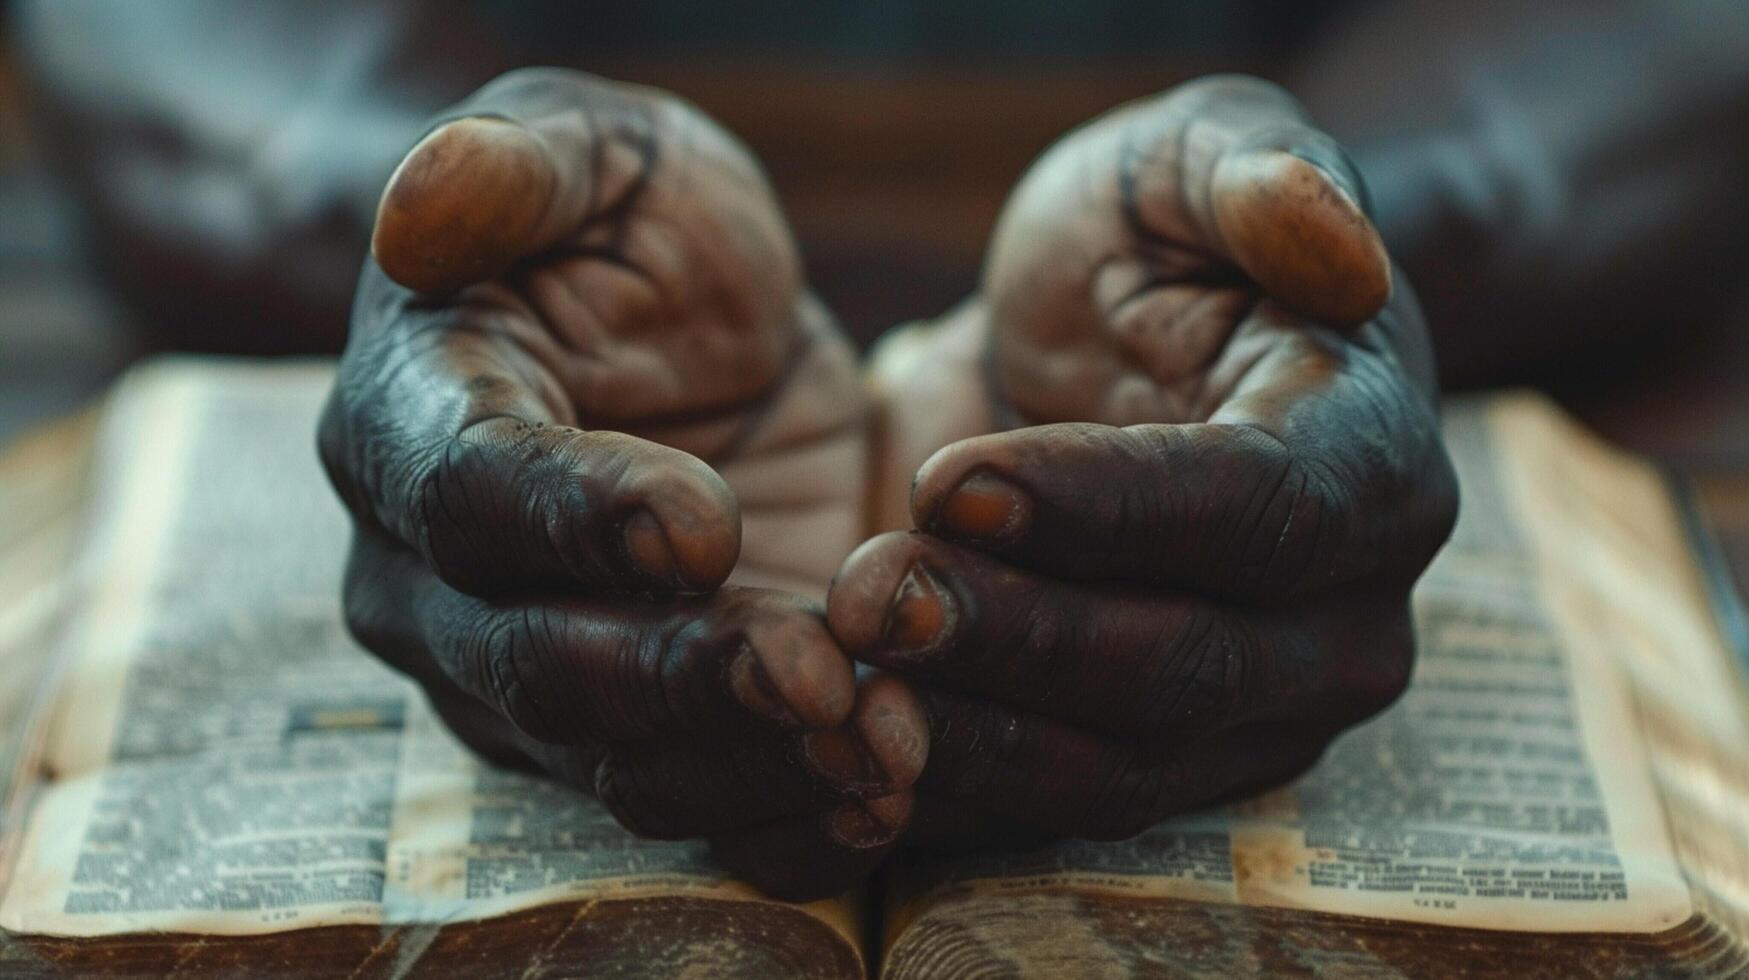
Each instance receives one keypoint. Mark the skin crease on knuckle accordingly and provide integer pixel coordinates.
(1310, 522)
(558, 671)
(1333, 670)
(1356, 511)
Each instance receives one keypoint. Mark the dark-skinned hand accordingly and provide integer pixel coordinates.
(1176, 467)
(585, 386)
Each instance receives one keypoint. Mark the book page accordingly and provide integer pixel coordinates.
(43, 476)
(1508, 789)
(222, 758)
(1647, 603)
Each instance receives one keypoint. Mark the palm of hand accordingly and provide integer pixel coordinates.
(675, 313)
(638, 394)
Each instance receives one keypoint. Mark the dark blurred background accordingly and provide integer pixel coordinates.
(1563, 181)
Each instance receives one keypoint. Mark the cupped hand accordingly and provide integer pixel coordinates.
(1176, 468)
(585, 387)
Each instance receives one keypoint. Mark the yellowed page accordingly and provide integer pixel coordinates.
(1509, 788)
(1611, 529)
(42, 494)
(221, 758)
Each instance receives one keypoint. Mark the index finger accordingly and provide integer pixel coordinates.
(453, 424)
(445, 430)
(1321, 469)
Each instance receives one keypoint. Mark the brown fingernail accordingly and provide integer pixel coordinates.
(839, 756)
(894, 729)
(986, 506)
(920, 615)
(648, 547)
(755, 689)
(862, 824)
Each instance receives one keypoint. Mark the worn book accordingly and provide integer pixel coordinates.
(212, 777)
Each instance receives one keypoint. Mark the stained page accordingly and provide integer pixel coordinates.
(222, 758)
(1509, 788)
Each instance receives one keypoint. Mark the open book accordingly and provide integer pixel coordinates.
(218, 778)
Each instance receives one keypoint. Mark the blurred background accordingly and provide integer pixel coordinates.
(1564, 182)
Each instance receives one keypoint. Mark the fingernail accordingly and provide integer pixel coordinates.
(861, 824)
(896, 735)
(648, 548)
(986, 506)
(921, 614)
(755, 689)
(839, 756)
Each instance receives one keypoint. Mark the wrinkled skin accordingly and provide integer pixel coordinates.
(1176, 467)
(1192, 471)
(608, 393)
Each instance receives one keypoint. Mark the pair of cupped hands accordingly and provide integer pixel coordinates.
(1154, 497)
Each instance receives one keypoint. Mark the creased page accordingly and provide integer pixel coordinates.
(1508, 789)
(221, 758)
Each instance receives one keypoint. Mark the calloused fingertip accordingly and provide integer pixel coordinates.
(863, 824)
(752, 685)
(929, 487)
(960, 493)
(684, 531)
(798, 662)
(890, 606)
(856, 607)
(462, 205)
(894, 726)
(1301, 236)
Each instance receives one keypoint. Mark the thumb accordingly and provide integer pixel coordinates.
(1277, 198)
(463, 205)
(1300, 235)
(520, 165)
(1259, 185)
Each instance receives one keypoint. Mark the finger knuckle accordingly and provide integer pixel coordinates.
(990, 747)
(351, 434)
(361, 600)
(1434, 511)
(505, 483)
(519, 662)
(1393, 666)
(1312, 530)
(375, 621)
(443, 509)
(1369, 665)
(331, 446)
(1129, 800)
(1144, 499)
(1265, 756)
(1304, 517)
(630, 792)
(1403, 490)
(1270, 530)
(686, 675)
(1286, 509)
(366, 622)
(1203, 671)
